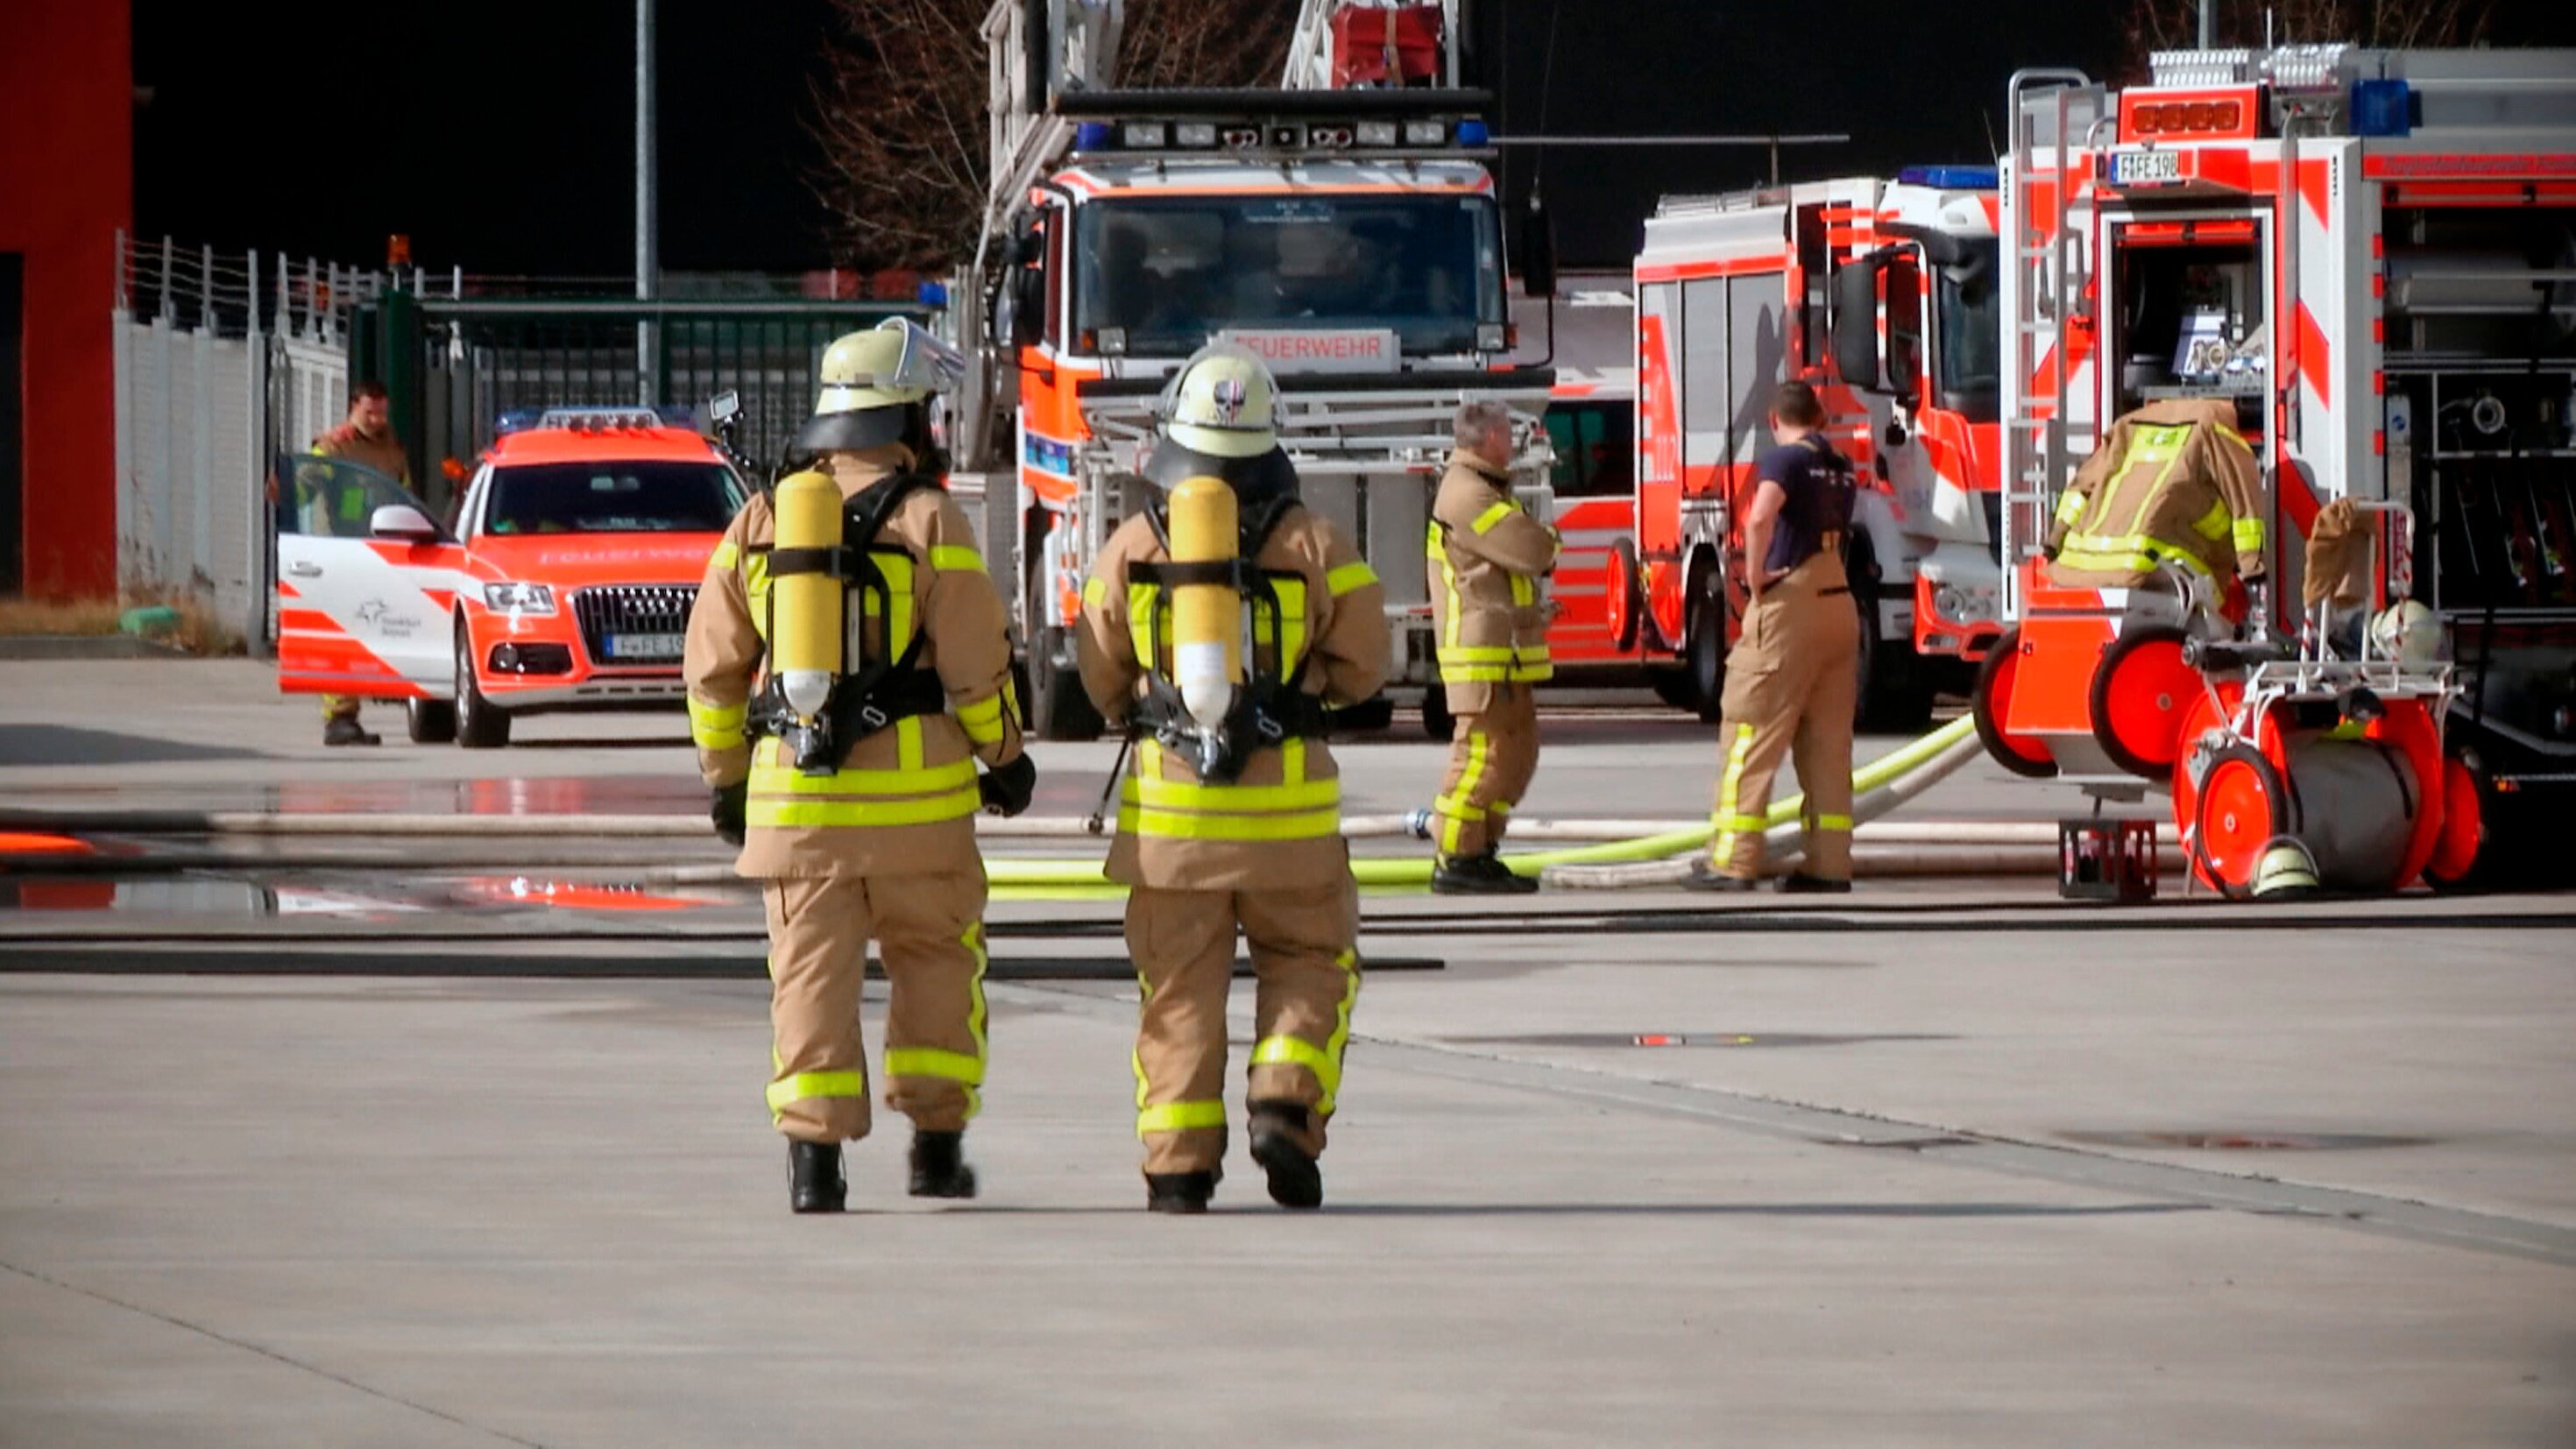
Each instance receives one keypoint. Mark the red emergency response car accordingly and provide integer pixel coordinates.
(565, 584)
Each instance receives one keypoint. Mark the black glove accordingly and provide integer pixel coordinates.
(727, 807)
(1007, 789)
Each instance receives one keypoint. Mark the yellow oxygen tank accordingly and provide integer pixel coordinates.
(1207, 619)
(807, 608)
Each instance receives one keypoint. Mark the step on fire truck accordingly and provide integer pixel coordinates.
(1345, 226)
(1884, 294)
(2372, 254)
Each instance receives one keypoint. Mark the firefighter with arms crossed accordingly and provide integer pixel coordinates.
(1236, 824)
(865, 827)
(1487, 557)
(1791, 681)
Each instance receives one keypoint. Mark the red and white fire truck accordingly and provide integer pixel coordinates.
(1883, 293)
(1586, 335)
(1344, 225)
(2374, 254)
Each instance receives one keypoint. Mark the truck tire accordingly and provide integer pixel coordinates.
(1674, 687)
(430, 721)
(1893, 697)
(1704, 647)
(480, 724)
(1058, 709)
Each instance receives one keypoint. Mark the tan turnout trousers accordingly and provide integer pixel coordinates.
(1790, 691)
(1492, 756)
(929, 932)
(1307, 976)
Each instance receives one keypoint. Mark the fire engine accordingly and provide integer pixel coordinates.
(2373, 255)
(1345, 226)
(1884, 294)
(1586, 335)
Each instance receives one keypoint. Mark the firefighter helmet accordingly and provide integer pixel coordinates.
(876, 385)
(1221, 404)
(2286, 870)
(2408, 632)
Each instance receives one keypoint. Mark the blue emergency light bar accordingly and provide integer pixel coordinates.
(1952, 178)
(593, 419)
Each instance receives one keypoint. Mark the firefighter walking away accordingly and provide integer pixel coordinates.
(1216, 626)
(847, 668)
(1791, 684)
(1487, 557)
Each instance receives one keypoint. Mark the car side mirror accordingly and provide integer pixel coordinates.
(1028, 307)
(404, 522)
(1855, 329)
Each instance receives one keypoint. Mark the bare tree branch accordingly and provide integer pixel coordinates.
(900, 110)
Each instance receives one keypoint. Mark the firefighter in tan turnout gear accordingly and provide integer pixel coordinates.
(1487, 556)
(1791, 680)
(1232, 817)
(852, 787)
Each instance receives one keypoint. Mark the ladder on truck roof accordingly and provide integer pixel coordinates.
(1311, 53)
(2054, 113)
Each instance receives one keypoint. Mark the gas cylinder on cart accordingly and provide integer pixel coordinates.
(2354, 794)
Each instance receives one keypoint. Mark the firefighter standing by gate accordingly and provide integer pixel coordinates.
(1487, 556)
(1790, 681)
(855, 808)
(1232, 818)
(366, 437)
(2173, 483)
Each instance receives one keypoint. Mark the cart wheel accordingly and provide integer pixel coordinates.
(1986, 704)
(1626, 597)
(2463, 837)
(2139, 694)
(2242, 807)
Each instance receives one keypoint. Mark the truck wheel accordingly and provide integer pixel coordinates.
(1058, 709)
(1437, 722)
(1893, 698)
(430, 721)
(1704, 648)
(1674, 687)
(480, 724)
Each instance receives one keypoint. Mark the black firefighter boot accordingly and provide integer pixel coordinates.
(1478, 875)
(814, 1182)
(1180, 1192)
(1278, 1133)
(939, 1165)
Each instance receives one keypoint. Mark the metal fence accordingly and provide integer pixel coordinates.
(217, 357)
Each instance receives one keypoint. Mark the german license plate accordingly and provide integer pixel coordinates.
(644, 646)
(2145, 168)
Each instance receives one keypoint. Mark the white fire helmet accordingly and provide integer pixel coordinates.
(1221, 403)
(2408, 632)
(2286, 870)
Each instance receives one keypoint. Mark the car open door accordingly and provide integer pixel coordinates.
(366, 585)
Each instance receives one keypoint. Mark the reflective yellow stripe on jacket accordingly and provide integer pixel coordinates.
(1295, 809)
(909, 794)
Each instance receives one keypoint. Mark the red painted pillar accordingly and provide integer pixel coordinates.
(66, 188)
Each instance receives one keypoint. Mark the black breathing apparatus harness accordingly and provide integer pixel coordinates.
(869, 694)
(1269, 709)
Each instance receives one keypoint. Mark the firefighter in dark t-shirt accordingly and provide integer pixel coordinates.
(1790, 683)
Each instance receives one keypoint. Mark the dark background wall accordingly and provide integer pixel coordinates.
(66, 185)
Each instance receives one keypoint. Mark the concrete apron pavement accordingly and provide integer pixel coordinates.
(341, 1211)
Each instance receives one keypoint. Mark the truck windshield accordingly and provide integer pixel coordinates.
(639, 496)
(1173, 272)
(1971, 342)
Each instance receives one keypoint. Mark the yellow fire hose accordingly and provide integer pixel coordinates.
(1007, 873)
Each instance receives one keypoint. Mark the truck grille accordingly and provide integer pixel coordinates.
(647, 621)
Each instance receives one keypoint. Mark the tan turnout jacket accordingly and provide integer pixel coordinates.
(1279, 826)
(1486, 555)
(904, 802)
(2174, 482)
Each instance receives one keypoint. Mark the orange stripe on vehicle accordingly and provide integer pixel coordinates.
(313, 619)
